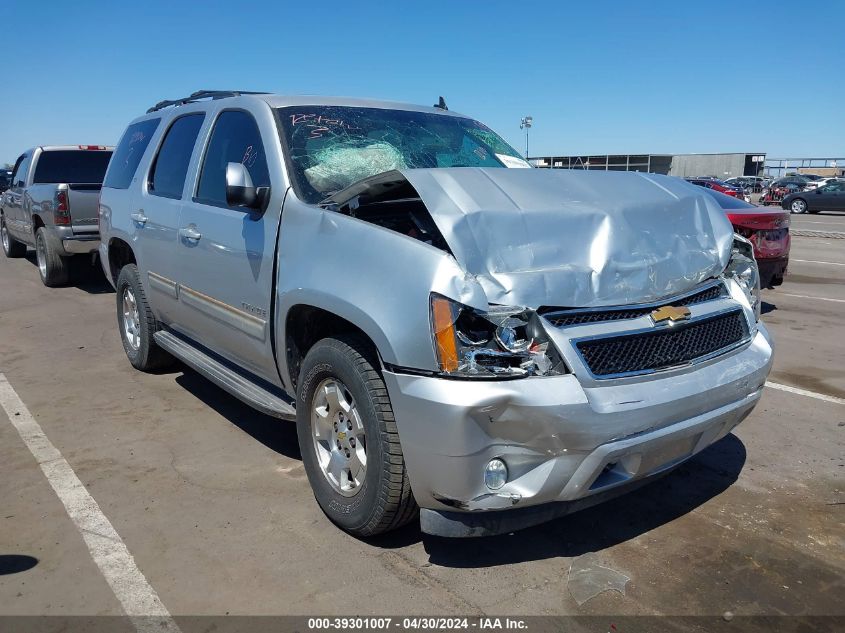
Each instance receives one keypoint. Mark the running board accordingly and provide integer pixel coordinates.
(223, 376)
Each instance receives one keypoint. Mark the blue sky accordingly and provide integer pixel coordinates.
(598, 77)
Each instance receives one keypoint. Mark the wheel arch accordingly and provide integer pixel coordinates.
(120, 253)
(304, 322)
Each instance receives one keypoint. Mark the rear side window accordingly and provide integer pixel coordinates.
(128, 154)
(235, 139)
(19, 177)
(167, 177)
(71, 166)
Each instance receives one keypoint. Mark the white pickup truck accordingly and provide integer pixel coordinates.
(51, 205)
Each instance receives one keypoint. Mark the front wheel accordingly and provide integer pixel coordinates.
(349, 440)
(798, 206)
(11, 247)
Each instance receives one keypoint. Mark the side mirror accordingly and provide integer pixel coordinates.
(240, 192)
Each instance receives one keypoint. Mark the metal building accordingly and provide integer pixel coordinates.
(690, 165)
(777, 167)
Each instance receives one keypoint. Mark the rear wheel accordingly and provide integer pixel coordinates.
(11, 247)
(52, 267)
(137, 324)
(349, 441)
(798, 206)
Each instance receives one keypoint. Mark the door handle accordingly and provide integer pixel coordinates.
(139, 217)
(190, 233)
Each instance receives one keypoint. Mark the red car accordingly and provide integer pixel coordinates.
(722, 187)
(768, 231)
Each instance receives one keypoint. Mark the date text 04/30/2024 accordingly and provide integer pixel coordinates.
(416, 623)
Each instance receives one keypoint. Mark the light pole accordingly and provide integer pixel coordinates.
(525, 124)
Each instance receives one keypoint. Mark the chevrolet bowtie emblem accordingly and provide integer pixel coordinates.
(670, 313)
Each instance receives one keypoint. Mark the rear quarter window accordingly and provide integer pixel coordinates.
(128, 154)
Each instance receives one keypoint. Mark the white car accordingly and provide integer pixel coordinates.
(821, 182)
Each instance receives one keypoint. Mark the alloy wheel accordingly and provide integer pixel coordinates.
(41, 254)
(131, 320)
(338, 436)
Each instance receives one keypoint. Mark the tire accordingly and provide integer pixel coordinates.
(52, 267)
(377, 499)
(11, 247)
(798, 205)
(136, 332)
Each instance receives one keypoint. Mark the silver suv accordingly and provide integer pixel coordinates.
(452, 331)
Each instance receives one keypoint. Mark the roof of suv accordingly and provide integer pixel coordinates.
(281, 101)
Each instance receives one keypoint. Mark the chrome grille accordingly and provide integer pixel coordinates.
(652, 350)
(579, 317)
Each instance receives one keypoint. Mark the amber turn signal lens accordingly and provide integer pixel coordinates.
(443, 324)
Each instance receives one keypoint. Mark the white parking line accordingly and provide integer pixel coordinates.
(804, 392)
(813, 261)
(138, 599)
(789, 294)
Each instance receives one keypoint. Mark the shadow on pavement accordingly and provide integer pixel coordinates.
(83, 275)
(767, 307)
(277, 435)
(16, 563)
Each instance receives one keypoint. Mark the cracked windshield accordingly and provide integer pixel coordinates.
(333, 147)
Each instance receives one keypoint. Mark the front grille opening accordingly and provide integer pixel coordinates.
(579, 317)
(663, 348)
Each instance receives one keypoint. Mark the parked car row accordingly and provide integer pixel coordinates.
(752, 184)
(722, 187)
(457, 338)
(796, 193)
(827, 197)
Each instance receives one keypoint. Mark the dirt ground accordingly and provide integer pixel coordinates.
(212, 501)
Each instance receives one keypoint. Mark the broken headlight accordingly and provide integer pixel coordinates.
(503, 342)
(743, 268)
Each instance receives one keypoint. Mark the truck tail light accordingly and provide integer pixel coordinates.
(92, 147)
(61, 215)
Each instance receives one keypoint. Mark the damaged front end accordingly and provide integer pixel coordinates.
(534, 237)
(585, 332)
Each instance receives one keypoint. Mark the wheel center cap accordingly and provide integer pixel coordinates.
(341, 436)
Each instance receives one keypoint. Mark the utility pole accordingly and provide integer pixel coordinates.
(525, 124)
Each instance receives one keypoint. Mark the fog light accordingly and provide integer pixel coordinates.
(495, 474)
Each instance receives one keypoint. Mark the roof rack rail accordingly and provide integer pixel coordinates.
(203, 94)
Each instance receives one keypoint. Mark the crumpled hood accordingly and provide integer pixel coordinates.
(566, 238)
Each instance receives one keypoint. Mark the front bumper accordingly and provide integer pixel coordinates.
(561, 441)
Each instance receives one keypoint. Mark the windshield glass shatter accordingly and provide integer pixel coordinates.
(332, 147)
